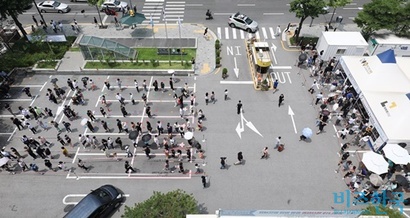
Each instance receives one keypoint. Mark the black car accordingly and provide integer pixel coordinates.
(99, 203)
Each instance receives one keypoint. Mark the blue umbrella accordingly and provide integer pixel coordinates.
(307, 132)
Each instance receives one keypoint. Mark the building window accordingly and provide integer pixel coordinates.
(340, 51)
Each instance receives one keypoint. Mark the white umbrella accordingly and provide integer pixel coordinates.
(376, 180)
(171, 71)
(4, 161)
(84, 121)
(188, 135)
(396, 153)
(375, 162)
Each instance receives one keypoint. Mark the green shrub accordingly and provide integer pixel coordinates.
(218, 60)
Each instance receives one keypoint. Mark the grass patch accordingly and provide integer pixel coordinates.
(47, 64)
(151, 54)
(26, 54)
(75, 49)
(139, 65)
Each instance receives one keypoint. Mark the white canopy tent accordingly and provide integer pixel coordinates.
(384, 89)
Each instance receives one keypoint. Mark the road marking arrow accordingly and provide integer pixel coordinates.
(273, 50)
(274, 47)
(236, 70)
(291, 114)
(240, 127)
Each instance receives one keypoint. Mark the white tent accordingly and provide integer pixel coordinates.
(384, 89)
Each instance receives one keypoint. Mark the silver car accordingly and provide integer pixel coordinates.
(241, 21)
(53, 6)
(114, 5)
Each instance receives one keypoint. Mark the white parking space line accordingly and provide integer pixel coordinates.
(76, 154)
(194, 5)
(226, 33)
(246, 5)
(265, 34)
(233, 34)
(218, 30)
(5, 133)
(16, 99)
(23, 86)
(281, 67)
(133, 176)
(11, 136)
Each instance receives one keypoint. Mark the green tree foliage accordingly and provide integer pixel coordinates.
(175, 204)
(393, 15)
(13, 9)
(380, 210)
(336, 4)
(306, 8)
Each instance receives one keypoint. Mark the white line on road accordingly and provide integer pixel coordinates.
(236, 82)
(246, 5)
(15, 99)
(223, 14)
(194, 5)
(43, 86)
(23, 86)
(281, 67)
(5, 133)
(273, 14)
(76, 154)
(11, 136)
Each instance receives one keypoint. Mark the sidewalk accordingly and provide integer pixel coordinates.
(205, 55)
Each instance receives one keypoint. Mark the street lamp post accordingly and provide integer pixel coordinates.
(39, 12)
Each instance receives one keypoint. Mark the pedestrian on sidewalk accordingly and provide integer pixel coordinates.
(206, 98)
(81, 165)
(67, 126)
(123, 111)
(35, 20)
(103, 112)
(213, 97)
(155, 84)
(240, 158)
(95, 22)
(27, 91)
(107, 84)
(162, 86)
(319, 97)
(56, 125)
(17, 122)
(136, 85)
(61, 140)
(171, 84)
(239, 107)
(226, 94)
(149, 127)
(42, 125)
(148, 111)
(132, 99)
(206, 31)
(120, 98)
(265, 153)
(15, 152)
(181, 168)
(68, 141)
(144, 85)
(147, 152)
(105, 126)
(144, 98)
(281, 99)
(321, 126)
(275, 86)
(278, 31)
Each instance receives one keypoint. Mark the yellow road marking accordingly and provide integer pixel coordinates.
(205, 68)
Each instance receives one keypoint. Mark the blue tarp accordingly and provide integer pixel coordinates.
(387, 57)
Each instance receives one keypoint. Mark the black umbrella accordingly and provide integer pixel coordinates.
(323, 106)
(54, 80)
(133, 135)
(146, 137)
(84, 79)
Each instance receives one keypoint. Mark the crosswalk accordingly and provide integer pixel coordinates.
(157, 10)
(233, 33)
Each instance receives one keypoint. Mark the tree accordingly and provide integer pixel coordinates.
(336, 4)
(176, 204)
(13, 9)
(305, 9)
(393, 15)
(95, 3)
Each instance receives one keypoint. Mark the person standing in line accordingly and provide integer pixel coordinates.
(107, 84)
(226, 94)
(265, 153)
(162, 86)
(18, 123)
(65, 152)
(68, 140)
(48, 164)
(239, 107)
(160, 129)
(119, 84)
(181, 168)
(70, 84)
(132, 99)
(136, 85)
(56, 125)
(95, 22)
(144, 98)
(155, 84)
(119, 125)
(105, 126)
(148, 111)
(189, 155)
(119, 97)
(213, 97)
(144, 85)
(281, 99)
(277, 142)
(240, 158)
(206, 98)
(90, 126)
(30, 152)
(35, 20)
(67, 126)
(103, 112)
(123, 111)
(91, 115)
(42, 125)
(171, 84)
(203, 179)
(81, 165)
(319, 97)
(61, 140)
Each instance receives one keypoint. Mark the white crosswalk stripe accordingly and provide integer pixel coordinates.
(174, 10)
(264, 33)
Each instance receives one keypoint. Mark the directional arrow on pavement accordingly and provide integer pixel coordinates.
(274, 47)
(291, 114)
(236, 70)
(240, 127)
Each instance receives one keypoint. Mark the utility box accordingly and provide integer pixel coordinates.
(381, 43)
(337, 44)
